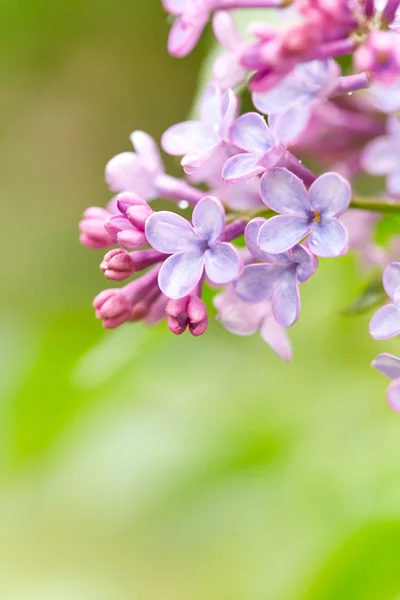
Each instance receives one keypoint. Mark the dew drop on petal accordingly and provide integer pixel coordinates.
(183, 204)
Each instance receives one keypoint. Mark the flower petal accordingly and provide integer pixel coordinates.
(209, 219)
(381, 156)
(251, 238)
(184, 138)
(250, 132)
(229, 111)
(328, 239)
(241, 168)
(195, 160)
(330, 194)
(388, 364)
(184, 35)
(385, 323)
(123, 172)
(284, 193)
(275, 335)
(393, 395)
(286, 93)
(306, 262)
(168, 232)
(147, 149)
(391, 279)
(386, 97)
(289, 125)
(175, 7)
(281, 233)
(180, 273)
(258, 282)
(210, 106)
(393, 183)
(223, 263)
(225, 30)
(286, 300)
(237, 316)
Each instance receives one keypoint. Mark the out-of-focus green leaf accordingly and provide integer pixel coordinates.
(387, 227)
(372, 295)
(366, 567)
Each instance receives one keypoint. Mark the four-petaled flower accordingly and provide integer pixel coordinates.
(386, 321)
(243, 318)
(203, 140)
(381, 156)
(315, 213)
(194, 248)
(263, 149)
(389, 365)
(277, 277)
(291, 101)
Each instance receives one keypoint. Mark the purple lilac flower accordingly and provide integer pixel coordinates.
(381, 156)
(227, 70)
(201, 141)
(277, 277)
(380, 56)
(386, 321)
(243, 318)
(194, 248)
(389, 365)
(142, 173)
(314, 213)
(292, 100)
(263, 149)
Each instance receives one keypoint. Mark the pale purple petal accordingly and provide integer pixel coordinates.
(225, 30)
(241, 168)
(393, 395)
(184, 138)
(250, 132)
(210, 106)
(281, 233)
(209, 219)
(393, 183)
(168, 232)
(286, 300)
(388, 364)
(386, 97)
(391, 279)
(275, 335)
(223, 263)
(180, 273)
(228, 72)
(284, 193)
(251, 238)
(229, 111)
(328, 239)
(289, 125)
(192, 161)
(175, 7)
(280, 98)
(241, 196)
(330, 195)
(237, 316)
(258, 282)
(146, 147)
(184, 35)
(381, 156)
(123, 172)
(307, 263)
(385, 323)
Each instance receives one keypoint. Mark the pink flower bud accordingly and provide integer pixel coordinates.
(117, 265)
(113, 307)
(127, 199)
(138, 215)
(92, 231)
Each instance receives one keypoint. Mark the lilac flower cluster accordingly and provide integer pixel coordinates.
(258, 231)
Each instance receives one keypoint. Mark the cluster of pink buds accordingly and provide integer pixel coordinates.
(258, 232)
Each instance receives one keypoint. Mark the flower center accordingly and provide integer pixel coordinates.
(317, 216)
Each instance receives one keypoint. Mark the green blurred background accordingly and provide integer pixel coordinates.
(137, 465)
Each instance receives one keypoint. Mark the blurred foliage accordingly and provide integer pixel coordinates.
(138, 465)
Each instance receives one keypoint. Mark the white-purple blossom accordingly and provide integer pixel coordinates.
(263, 149)
(201, 141)
(381, 156)
(301, 213)
(291, 101)
(277, 276)
(389, 365)
(243, 318)
(194, 249)
(386, 321)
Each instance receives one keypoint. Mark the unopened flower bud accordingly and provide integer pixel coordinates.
(92, 231)
(117, 265)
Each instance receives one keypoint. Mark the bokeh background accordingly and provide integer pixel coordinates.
(137, 465)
